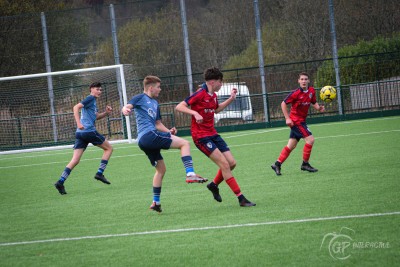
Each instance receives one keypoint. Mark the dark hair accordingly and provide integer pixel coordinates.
(305, 74)
(95, 84)
(213, 74)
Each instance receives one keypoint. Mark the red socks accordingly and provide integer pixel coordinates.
(307, 152)
(218, 178)
(234, 186)
(284, 154)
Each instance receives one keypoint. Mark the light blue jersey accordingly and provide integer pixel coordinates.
(88, 114)
(147, 113)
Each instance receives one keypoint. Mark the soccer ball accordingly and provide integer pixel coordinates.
(327, 93)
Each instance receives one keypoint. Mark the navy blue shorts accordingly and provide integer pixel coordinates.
(84, 138)
(152, 142)
(300, 131)
(208, 144)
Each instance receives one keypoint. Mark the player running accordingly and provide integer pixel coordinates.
(86, 133)
(203, 104)
(300, 101)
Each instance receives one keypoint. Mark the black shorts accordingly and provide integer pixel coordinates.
(300, 131)
(84, 138)
(208, 144)
(152, 142)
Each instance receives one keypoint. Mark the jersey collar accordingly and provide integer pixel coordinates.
(304, 91)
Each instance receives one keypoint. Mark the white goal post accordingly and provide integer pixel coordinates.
(36, 109)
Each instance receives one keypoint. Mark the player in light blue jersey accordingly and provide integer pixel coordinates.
(86, 133)
(153, 136)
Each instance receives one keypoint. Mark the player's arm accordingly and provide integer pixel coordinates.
(127, 109)
(184, 108)
(76, 110)
(103, 114)
(285, 112)
(318, 107)
(226, 103)
(161, 127)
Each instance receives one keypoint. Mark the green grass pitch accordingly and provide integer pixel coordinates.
(348, 213)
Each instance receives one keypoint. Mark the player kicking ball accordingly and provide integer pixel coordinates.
(203, 104)
(300, 101)
(154, 136)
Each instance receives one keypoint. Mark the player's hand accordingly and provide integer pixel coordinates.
(173, 131)
(109, 109)
(233, 93)
(126, 111)
(199, 118)
(321, 109)
(80, 126)
(289, 123)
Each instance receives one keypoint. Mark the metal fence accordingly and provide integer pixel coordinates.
(150, 36)
(378, 95)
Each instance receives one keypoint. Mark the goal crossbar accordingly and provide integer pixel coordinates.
(44, 74)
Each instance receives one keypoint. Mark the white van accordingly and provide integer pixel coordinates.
(239, 109)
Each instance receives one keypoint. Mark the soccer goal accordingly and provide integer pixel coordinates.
(36, 110)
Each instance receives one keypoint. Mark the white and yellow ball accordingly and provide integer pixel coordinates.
(327, 93)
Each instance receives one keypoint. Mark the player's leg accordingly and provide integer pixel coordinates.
(79, 147)
(231, 160)
(152, 151)
(309, 142)
(218, 177)
(107, 152)
(184, 146)
(305, 166)
(99, 141)
(220, 159)
(232, 164)
(285, 153)
(157, 184)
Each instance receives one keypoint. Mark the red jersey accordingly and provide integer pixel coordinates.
(300, 101)
(205, 104)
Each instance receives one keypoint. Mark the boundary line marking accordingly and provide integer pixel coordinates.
(201, 228)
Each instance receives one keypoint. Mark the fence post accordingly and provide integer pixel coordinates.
(186, 44)
(117, 62)
(49, 78)
(335, 57)
(261, 59)
(19, 127)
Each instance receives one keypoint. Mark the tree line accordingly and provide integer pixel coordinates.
(221, 33)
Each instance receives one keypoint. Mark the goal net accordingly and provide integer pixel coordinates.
(36, 110)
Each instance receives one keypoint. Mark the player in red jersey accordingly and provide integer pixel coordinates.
(203, 104)
(300, 101)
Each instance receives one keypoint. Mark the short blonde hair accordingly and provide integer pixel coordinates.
(150, 80)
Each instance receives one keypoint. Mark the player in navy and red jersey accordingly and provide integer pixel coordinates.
(300, 101)
(203, 104)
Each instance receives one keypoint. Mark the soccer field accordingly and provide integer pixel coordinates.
(346, 213)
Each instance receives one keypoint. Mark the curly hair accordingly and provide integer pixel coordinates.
(213, 73)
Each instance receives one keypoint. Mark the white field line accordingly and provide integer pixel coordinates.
(313, 126)
(226, 136)
(175, 151)
(320, 219)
